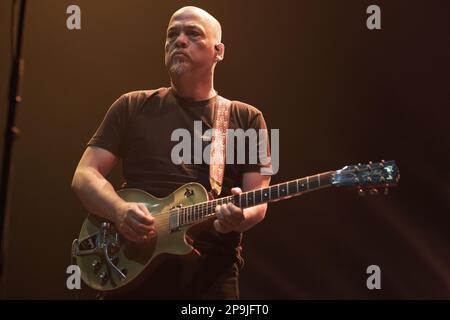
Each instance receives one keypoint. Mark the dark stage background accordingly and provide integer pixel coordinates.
(339, 93)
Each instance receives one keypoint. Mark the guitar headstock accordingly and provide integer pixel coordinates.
(371, 176)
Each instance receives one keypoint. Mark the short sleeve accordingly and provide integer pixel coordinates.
(110, 135)
(264, 161)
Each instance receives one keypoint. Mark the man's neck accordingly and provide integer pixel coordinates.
(189, 89)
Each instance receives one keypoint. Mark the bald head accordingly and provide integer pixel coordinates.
(210, 23)
(193, 44)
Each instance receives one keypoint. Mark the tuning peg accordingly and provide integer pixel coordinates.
(361, 192)
(373, 191)
(382, 163)
(386, 191)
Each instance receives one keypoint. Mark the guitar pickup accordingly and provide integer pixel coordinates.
(174, 220)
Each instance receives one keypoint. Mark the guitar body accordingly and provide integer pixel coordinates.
(136, 260)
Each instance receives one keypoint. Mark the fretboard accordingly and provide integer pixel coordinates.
(202, 211)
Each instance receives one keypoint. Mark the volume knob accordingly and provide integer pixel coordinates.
(96, 265)
(104, 277)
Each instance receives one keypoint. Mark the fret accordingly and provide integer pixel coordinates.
(244, 200)
(258, 198)
(274, 192)
(313, 182)
(301, 185)
(265, 194)
(250, 198)
(292, 187)
(212, 207)
(181, 217)
(283, 190)
(325, 179)
(235, 200)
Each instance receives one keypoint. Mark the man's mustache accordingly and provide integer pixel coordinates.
(179, 52)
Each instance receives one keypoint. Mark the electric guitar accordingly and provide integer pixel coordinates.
(109, 262)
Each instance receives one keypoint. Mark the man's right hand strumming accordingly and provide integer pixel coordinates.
(134, 222)
(132, 219)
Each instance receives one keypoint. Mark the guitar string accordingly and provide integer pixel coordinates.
(204, 207)
(202, 214)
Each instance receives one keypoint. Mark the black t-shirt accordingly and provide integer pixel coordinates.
(138, 128)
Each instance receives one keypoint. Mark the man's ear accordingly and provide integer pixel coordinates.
(220, 51)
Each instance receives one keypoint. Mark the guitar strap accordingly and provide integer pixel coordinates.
(219, 145)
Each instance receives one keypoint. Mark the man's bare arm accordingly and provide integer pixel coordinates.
(99, 197)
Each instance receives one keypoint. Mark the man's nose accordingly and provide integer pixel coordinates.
(181, 40)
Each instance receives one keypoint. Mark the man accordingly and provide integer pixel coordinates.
(138, 127)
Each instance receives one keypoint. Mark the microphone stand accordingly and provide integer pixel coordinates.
(11, 131)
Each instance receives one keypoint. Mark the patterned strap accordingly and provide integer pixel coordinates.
(219, 144)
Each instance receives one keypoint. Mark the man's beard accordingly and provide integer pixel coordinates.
(178, 68)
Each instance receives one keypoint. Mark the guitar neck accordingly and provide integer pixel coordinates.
(205, 210)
